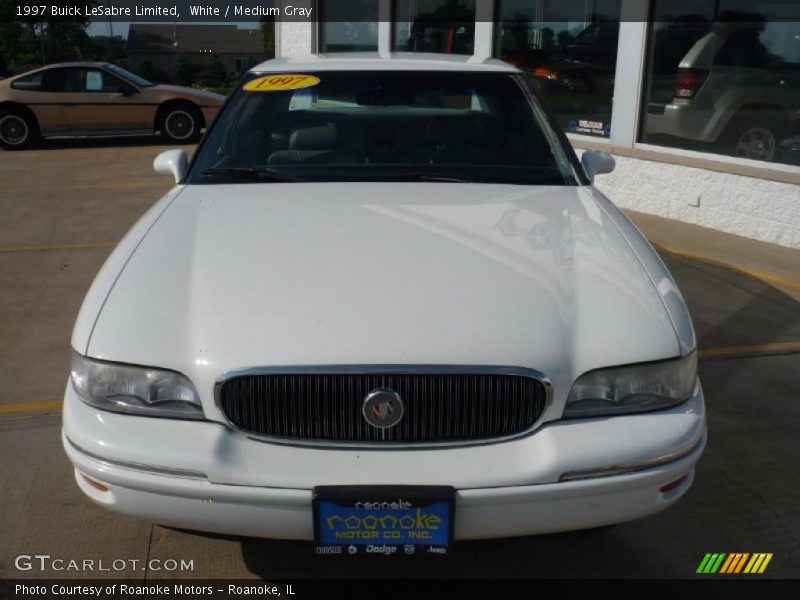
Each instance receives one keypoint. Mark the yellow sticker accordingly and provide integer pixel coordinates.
(281, 83)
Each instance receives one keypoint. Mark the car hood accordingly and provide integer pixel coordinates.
(235, 276)
(204, 96)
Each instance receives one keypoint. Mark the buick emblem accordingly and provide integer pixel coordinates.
(383, 408)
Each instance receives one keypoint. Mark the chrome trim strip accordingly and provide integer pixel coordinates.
(185, 473)
(388, 370)
(634, 467)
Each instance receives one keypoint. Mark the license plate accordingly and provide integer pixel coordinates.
(383, 520)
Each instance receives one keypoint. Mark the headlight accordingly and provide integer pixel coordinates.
(135, 390)
(633, 389)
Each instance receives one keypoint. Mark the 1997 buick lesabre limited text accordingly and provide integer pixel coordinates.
(195, 10)
(384, 306)
(88, 10)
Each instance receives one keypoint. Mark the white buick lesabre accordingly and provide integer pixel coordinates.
(384, 304)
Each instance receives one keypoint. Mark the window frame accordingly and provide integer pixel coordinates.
(631, 145)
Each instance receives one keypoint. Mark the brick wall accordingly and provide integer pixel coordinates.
(755, 208)
(294, 38)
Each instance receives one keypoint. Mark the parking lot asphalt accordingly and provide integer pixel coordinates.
(62, 209)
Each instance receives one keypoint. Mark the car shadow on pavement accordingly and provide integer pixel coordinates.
(571, 554)
(103, 142)
(732, 308)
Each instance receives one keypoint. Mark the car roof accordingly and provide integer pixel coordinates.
(395, 61)
(78, 63)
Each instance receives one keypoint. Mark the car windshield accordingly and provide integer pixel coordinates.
(383, 126)
(131, 77)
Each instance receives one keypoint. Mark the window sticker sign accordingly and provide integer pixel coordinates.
(94, 81)
(590, 127)
(281, 83)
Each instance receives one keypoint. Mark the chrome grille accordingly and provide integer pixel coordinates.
(439, 407)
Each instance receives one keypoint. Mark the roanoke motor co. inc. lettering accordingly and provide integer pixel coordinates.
(418, 525)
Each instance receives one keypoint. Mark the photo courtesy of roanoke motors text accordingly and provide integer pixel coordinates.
(316, 297)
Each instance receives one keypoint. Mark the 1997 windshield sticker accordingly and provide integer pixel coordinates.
(280, 83)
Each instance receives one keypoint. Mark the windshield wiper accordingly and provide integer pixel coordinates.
(248, 174)
(548, 177)
(411, 177)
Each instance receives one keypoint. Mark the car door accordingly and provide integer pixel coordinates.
(99, 103)
(40, 91)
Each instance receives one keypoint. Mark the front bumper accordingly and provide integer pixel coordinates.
(567, 475)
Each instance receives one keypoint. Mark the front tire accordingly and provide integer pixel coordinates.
(18, 130)
(181, 124)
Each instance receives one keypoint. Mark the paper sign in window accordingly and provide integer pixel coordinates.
(94, 81)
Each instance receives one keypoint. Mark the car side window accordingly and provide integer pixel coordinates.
(761, 46)
(743, 48)
(53, 80)
(75, 80)
(31, 83)
(49, 80)
(109, 83)
(82, 80)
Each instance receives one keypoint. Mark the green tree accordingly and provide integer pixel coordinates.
(186, 72)
(125, 63)
(215, 73)
(148, 70)
(65, 41)
(10, 37)
(26, 42)
(21, 45)
(16, 38)
(109, 49)
(268, 33)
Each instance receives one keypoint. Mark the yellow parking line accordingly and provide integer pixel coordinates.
(751, 350)
(45, 247)
(22, 407)
(763, 275)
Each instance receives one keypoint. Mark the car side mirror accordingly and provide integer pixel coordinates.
(128, 91)
(172, 162)
(597, 163)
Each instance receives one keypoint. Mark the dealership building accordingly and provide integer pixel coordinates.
(698, 100)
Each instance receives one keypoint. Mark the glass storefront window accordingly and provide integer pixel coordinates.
(569, 50)
(339, 32)
(442, 26)
(725, 78)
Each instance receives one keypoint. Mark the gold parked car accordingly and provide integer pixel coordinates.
(98, 99)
